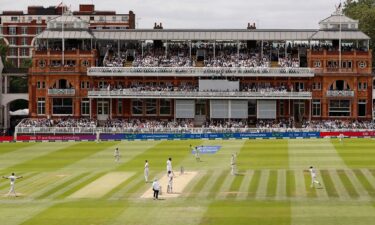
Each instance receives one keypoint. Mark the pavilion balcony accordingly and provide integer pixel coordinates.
(126, 93)
(200, 71)
(61, 92)
(337, 93)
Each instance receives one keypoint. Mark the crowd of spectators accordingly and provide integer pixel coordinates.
(185, 125)
(338, 125)
(62, 122)
(237, 60)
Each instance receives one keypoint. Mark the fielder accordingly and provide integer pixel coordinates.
(117, 155)
(233, 164)
(313, 177)
(341, 136)
(169, 166)
(146, 171)
(12, 179)
(197, 154)
(170, 182)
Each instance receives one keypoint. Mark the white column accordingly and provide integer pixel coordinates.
(6, 116)
(90, 110)
(5, 84)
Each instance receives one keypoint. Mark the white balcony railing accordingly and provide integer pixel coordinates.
(61, 92)
(340, 93)
(201, 71)
(127, 93)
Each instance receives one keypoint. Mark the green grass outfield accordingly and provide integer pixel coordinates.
(273, 185)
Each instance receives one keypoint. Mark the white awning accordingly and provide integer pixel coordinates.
(265, 35)
(48, 34)
(335, 35)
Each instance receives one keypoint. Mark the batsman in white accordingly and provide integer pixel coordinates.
(313, 177)
(169, 166)
(170, 182)
(233, 164)
(146, 171)
(12, 179)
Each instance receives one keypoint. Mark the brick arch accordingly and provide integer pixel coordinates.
(346, 80)
(54, 80)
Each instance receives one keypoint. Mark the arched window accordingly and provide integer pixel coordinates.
(62, 84)
(339, 85)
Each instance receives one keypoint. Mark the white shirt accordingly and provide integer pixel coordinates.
(313, 172)
(117, 153)
(146, 166)
(169, 165)
(155, 185)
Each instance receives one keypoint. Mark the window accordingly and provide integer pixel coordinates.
(14, 18)
(24, 41)
(39, 30)
(252, 107)
(12, 30)
(317, 64)
(339, 108)
(317, 86)
(42, 63)
(165, 107)
(200, 107)
(362, 64)
(13, 52)
(40, 84)
(151, 107)
(281, 108)
(24, 51)
(12, 41)
(137, 107)
(41, 106)
(114, 18)
(316, 108)
(82, 85)
(125, 18)
(85, 107)
(23, 30)
(101, 18)
(29, 18)
(119, 107)
(92, 18)
(85, 63)
(62, 106)
(87, 84)
(360, 86)
(365, 86)
(362, 107)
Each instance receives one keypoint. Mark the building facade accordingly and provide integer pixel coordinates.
(19, 28)
(248, 74)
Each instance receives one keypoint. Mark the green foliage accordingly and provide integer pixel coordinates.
(364, 11)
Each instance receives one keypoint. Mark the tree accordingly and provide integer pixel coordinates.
(364, 11)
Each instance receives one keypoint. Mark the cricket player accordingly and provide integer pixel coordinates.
(12, 179)
(197, 154)
(117, 155)
(313, 177)
(170, 182)
(156, 188)
(146, 171)
(169, 166)
(341, 136)
(233, 164)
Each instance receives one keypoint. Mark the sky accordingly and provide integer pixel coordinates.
(214, 14)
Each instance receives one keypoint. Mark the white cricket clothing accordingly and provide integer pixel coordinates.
(313, 172)
(146, 171)
(169, 165)
(155, 185)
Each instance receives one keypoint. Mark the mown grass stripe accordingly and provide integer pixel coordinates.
(290, 184)
(348, 185)
(79, 185)
(262, 187)
(254, 184)
(310, 191)
(210, 183)
(243, 191)
(121, 186)
(365, 182)
(64, 184)
(235, 186)
(372, 172)
(218, 183)
(272, 184)
(200, 184)
(328, 184)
